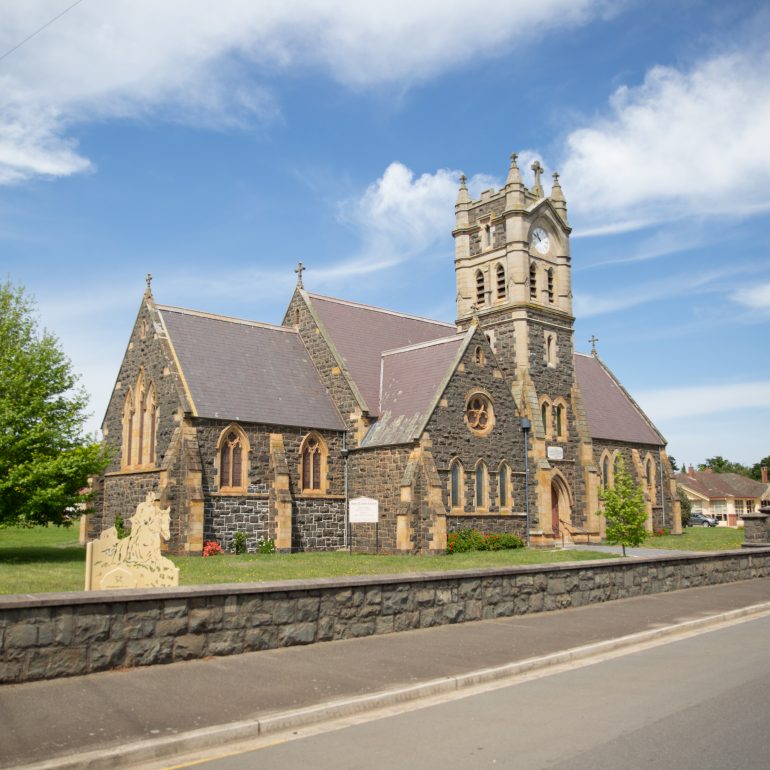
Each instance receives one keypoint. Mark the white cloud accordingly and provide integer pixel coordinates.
(197, 61)
(755, 297)
(672, 403)
(400, 216)
(681, 144)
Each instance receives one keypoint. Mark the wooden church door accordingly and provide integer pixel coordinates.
(554, 509)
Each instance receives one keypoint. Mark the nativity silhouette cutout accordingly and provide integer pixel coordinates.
(134, 561)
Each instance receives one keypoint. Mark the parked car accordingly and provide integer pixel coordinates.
(701, 520)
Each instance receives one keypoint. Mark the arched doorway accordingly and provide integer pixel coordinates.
(561, 508)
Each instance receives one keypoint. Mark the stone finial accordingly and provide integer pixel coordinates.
(557, 197)
(462, 193)
(514, 177)
(594, 339)
(148, 290)
(557, 194)
(537, 188)
(299, 269)
(474, 314)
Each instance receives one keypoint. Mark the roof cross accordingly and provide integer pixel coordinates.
(538, 169)
(594, 339)
(299, 269)
(148, 279)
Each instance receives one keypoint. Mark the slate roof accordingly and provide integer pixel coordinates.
(717, 486)
(361, 333)
(247, 371)
(611, 412)
(412, 380)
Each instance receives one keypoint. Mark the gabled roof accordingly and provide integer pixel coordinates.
(717, 486)
(360, 333)
(247, 371)
(412, 380)
(611, 412)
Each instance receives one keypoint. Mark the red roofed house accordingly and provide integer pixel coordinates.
(725, 496)
(272, 430)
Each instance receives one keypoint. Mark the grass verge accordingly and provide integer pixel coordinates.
(699, 539)
(44, 559)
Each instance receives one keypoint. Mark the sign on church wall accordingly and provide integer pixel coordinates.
(364, 510)
(555, 453)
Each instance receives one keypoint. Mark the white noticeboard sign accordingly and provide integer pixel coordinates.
(555, 453)
(364, 510)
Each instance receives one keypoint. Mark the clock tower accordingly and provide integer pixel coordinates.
(512, 267)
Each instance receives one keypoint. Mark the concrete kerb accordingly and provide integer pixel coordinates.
(217, 735)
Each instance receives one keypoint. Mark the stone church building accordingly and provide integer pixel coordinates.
(492, 422)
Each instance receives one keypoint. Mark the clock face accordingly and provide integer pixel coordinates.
(540, 240)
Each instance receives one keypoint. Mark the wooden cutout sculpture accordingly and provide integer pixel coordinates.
(134, 561)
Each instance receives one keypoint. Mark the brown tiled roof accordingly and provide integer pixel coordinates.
(412, 381)
(717, 486)
(611, 412)
(360, 333)
(246, 371)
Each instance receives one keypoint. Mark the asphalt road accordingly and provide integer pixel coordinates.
(700, 703)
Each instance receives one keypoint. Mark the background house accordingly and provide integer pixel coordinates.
(725, 496)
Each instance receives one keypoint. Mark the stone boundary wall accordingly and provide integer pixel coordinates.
(44, 636)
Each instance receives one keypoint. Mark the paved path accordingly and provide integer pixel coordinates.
(111, 711)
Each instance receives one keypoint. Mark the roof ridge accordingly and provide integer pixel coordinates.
(226, 318)
(378, 309)
(426, 344)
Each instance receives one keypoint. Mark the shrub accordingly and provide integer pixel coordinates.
(463, 540)
(266, 545)
(212, 548)
(239, 542)
(120, 527)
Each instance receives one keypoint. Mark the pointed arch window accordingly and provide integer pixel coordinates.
(500, 272)
(233, 452)
(128, 430)
(649, 468)
(456, 476)
(150, 424)
(533, 281)
(481, 487)
(545, 414)
(480, 288)
(550, 349)
(551, 288)
(140, 418)
(606, 478)
(560, 420)
(503, 487)
(313, 459)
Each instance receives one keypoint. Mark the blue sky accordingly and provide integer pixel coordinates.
(215, 145)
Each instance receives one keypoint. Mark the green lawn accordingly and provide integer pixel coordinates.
(699, 539)
(50, 559)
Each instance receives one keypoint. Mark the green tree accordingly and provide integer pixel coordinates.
(686, 505)
(45, 460)
(674, 464)
(624, 509)
(718, 464)
(756, 469)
